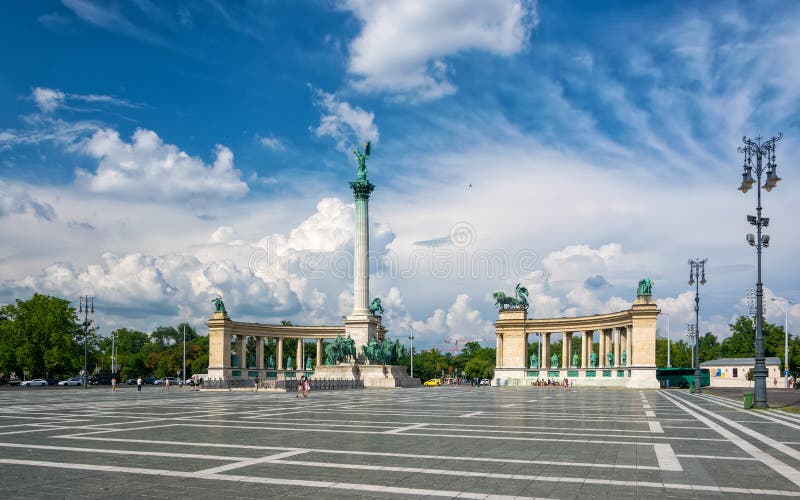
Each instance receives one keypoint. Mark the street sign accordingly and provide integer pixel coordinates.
(785, 373)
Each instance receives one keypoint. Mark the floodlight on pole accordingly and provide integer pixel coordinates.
(697, 277)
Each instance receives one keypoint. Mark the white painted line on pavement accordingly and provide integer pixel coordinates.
(781, 468)
(666, 457)
(247, 462)
(655, 427)
(406, 428)
(649, 414)
(121, 452)
(715, 457)
(473, 414)
(263, 480)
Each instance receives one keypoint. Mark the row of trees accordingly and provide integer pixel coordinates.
(741, 344)
(44, 337)
(473, 361)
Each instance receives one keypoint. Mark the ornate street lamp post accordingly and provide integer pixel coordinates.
(697, 277)
(760, 150)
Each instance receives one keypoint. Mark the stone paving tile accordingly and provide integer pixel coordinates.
(239, 420)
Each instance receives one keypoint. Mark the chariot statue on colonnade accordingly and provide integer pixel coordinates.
(519, 301)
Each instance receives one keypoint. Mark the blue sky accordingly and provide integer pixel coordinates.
(156, 154)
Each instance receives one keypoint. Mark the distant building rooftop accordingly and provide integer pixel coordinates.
(738, 362)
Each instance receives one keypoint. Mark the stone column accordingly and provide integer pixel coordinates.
(617, 350)
(564, 351)
(241, 351)
(629, 343)
(299, 354)
(260, 352)
(361, 192)
(602, 348)
(319, 352)
(568, 363)
(584, 349)
(279, 350)
(545, 351)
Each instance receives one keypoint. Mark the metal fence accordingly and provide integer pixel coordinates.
(317, 384)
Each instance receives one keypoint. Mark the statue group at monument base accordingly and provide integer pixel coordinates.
(373, 376)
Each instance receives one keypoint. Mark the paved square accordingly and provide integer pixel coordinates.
(438, 442)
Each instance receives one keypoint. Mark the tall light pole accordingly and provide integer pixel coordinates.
(785, 340)
(86, 306)
(691, 333)
(113, 352)
(697, 277)
(669, 344)
(759, 150)
(411, 337)
(184, 354)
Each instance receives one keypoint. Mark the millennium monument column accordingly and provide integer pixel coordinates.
(361, 325)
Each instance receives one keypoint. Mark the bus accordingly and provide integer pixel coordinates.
(681, 377)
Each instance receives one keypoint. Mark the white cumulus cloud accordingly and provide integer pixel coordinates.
(403, 46)
(151, 169)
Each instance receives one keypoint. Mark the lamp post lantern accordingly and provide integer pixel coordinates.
(86, 306)
(786, 303)
(697, 277)
(759, 150)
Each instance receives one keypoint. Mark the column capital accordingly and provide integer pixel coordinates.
(362, 189)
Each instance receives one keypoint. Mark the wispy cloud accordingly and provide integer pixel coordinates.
(273, 143)
(345, 123)
(49, 100)
(112, 19)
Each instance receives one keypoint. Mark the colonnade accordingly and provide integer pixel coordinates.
(241, 352)
(618, 341)
(226, 337)
(628, 334)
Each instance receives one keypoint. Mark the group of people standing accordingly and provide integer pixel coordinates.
(551, 382)
(303, 386)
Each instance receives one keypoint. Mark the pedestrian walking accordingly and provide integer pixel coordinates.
(113, 384)
(255, 385)
(166, 384)
(306, 387)
(299, 387)
(566, 384)
(139, 384)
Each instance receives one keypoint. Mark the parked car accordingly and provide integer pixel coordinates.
(172, 381)
(433, 381)
(486, 381)
(34, 382)
(72, 381)
(131, 381)
(150, 380)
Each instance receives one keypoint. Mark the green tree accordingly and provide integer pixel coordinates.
(40, 336)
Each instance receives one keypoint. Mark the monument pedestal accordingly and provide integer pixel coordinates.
(363, 329)
(373, 376)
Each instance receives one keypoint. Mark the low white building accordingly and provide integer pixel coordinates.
(732, 372)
